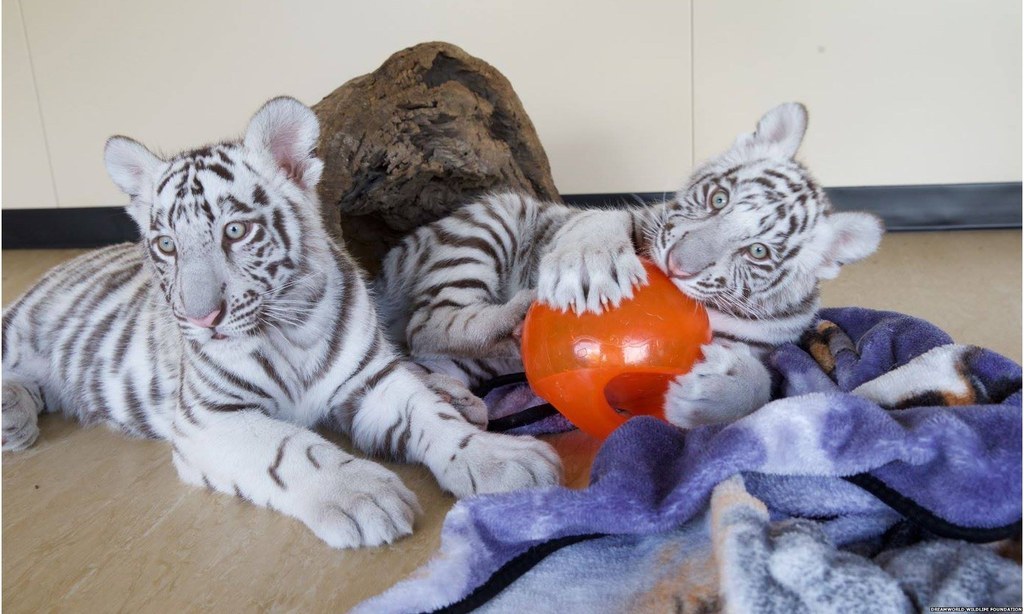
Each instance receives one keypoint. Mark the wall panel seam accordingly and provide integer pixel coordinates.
(693, 88)
(39, 104)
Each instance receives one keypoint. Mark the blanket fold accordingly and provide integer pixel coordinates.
(879, 418)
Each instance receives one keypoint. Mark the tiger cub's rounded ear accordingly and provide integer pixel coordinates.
(288, 131)
(130, 164)
(779, 133)
(783, 128)
(853, 236)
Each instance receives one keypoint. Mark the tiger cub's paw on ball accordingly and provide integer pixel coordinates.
(591, 273)
(729, 383)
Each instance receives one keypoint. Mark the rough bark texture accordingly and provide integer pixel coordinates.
(427, 132)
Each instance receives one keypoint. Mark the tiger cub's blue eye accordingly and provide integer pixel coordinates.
(759, 251)
(236, 230)
(165, 244)
(719, 198)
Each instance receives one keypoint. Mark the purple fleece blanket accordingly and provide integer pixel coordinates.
(871, 406)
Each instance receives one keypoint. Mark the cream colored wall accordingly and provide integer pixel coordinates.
(915, 91)
(27, 180)
(899, 91)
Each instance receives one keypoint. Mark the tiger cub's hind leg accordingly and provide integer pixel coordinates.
(455, 381)
(22, 403)
(453, 391)
(469, 327)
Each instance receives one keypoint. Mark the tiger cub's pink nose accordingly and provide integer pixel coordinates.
(207, 321)
(677, 269)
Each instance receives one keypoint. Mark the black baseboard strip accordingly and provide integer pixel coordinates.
(936, 207)
(66, 228)
(966, 206)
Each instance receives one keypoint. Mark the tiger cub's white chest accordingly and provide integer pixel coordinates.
(287, 382)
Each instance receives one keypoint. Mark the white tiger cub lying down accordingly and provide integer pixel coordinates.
(235, 326)
(750, 236)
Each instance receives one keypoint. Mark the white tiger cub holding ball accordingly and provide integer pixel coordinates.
(234, 327)
(750, 236)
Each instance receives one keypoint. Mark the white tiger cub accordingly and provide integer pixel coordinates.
(235, 326)
(750, 236)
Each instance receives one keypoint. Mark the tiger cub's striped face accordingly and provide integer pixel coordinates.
(752, 232)
(226, 226)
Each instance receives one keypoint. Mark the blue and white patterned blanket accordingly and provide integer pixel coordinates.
(859, 488)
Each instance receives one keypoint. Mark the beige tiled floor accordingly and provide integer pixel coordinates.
(95, 522)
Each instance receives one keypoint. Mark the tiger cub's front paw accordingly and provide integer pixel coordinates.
(359, 504)
(590, 276)
(492, 463)
(728, 384)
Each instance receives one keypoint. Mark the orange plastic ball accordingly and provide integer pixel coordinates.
(599, 370)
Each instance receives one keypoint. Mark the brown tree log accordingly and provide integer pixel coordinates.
(430, 130)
